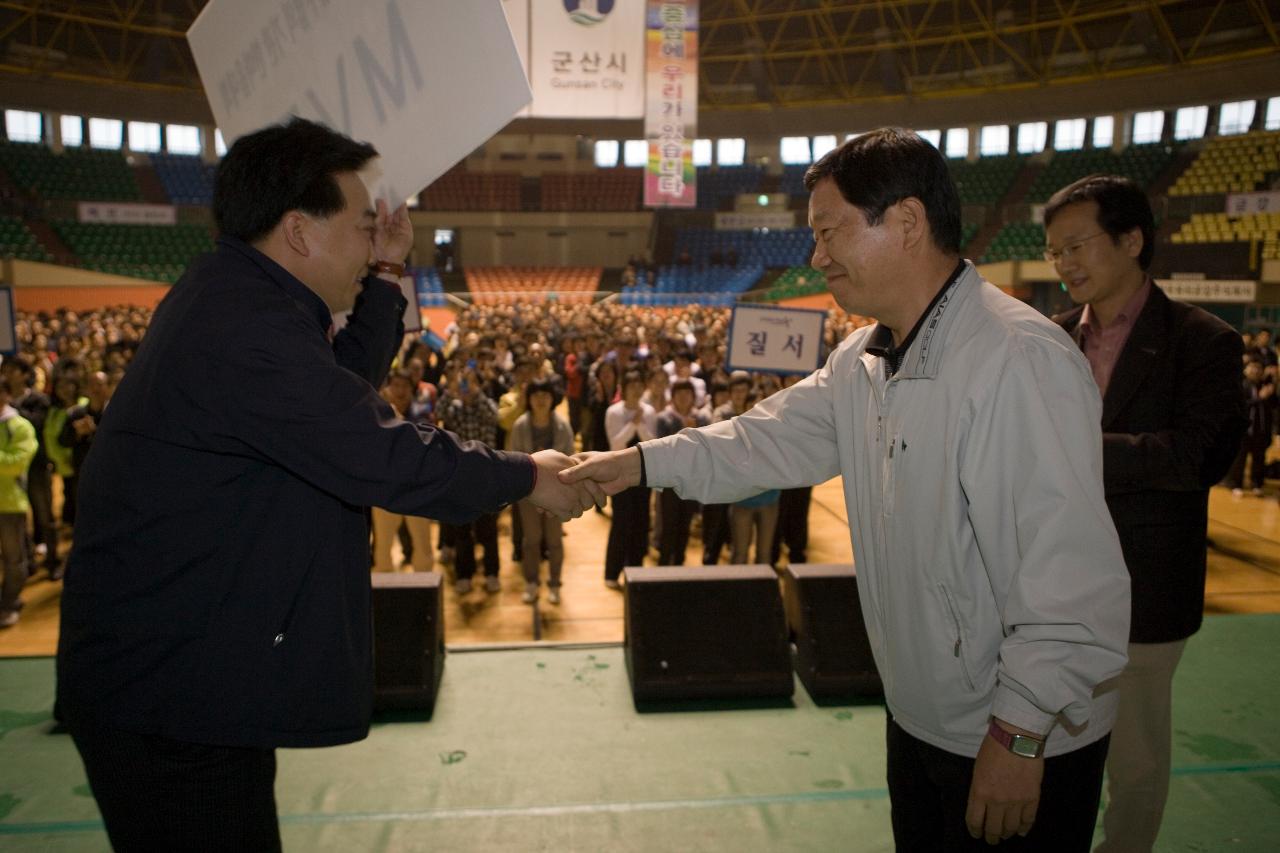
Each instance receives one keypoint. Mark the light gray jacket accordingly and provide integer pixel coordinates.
(521, 436)
(990, 573)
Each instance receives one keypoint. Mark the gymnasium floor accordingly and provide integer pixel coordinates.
(541, 748)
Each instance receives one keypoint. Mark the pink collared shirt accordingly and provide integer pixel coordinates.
(1103, 345)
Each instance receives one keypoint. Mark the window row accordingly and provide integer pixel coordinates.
(143, 136)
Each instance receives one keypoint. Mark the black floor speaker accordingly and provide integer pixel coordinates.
(710, 632)
(833, 654)
(408, 640)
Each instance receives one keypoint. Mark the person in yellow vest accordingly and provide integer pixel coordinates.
(66, 396)
(17, 447)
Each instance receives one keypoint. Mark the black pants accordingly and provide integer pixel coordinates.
(677, 516)
(793, 525)
(162, 795)
(482, 531)
(629, 532)
(929, 792)
(40, 493)
(716, 532)
(1257, 452)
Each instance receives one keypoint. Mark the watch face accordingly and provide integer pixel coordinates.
(1026, 747)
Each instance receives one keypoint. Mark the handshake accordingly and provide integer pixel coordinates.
(568, 486)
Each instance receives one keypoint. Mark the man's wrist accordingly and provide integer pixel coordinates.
(389, 267)
(1018, 741)
(644, 474)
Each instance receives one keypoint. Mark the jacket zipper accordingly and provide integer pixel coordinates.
(955, 620)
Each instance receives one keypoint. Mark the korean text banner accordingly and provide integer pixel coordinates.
(775, 340)
(425, 81)
(671, 102)
(586, 58)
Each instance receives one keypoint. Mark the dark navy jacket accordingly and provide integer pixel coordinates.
(218, 591)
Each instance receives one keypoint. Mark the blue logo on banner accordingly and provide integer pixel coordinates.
(588, 12)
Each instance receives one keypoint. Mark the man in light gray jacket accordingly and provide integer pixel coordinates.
(966, 427)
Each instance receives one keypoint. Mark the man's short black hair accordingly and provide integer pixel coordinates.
(878, 169)
(281, 168)
(542, 386)
(1122, 207)
(682, 385)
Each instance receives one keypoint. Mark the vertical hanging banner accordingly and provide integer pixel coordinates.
(671, 102)
(586, 58)
(425, 81)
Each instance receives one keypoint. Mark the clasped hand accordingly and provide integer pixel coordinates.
(561, 498)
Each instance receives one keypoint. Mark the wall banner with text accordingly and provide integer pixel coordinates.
(671, 102)
(586, 58)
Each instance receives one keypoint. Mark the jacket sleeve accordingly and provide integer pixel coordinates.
(785, 441)
(1207, 421)
(1031, 467)
(16, 457)
(368, 343)
(289, 402)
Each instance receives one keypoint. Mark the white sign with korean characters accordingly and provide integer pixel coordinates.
(425, 81)
(775, 340)
(586, 58)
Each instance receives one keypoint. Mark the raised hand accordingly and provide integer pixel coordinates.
(393, 233)
(612, 471)
(556, 497)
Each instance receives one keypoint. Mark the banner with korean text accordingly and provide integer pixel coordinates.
(586, 58)
(671, 102)
(775, 340)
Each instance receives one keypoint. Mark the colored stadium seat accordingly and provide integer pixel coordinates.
(17, 241)
(1231, 164)
(493, 285)
(83, 174)
(157, 252)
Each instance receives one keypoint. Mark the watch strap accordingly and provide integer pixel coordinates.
(388, 267)
(1020, 745)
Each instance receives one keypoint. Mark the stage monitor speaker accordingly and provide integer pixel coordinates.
(711, 632)
(408, 640)
(833, 654)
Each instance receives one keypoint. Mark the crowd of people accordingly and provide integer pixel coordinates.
(1259, 383)
(599, 377)
(54, 391)
(518, 376)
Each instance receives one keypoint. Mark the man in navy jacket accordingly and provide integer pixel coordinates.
(216, 605)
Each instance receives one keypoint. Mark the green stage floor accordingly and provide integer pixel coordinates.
(542, 749)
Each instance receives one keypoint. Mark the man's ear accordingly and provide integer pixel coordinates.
(915, 221)
(295, 227)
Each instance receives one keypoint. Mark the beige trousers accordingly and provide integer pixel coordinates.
(1138, 759)
(764, 519)
(385, 525)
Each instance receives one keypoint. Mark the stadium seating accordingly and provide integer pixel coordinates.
(797, 281)
(682, 285)
(718, 187)
(602, 190)
(1263, 228)
(17, 241)
(459, 189)
(1231, 164)
(429, 287)
(83, 174)
(762, 247)
(1017, 241)
(792, 181)
(157, 252)
(186, 180)
(491, 285)
(986, 180)
(1142, 163)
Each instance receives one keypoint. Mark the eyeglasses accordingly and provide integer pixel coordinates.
(1066, 252)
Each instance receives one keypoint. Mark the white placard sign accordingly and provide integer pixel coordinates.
(127, 214)
(425, 81)
(586, 58)
(779, 219)
(776, 340)
(517, 12)
(1209, 289)
(1243, 204)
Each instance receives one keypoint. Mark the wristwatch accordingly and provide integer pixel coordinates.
(386, 266)
(1021, 745)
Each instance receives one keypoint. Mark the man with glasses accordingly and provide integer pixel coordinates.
(1172, 418)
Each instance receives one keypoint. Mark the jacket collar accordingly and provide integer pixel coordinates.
(924, 356)
(303, 296)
